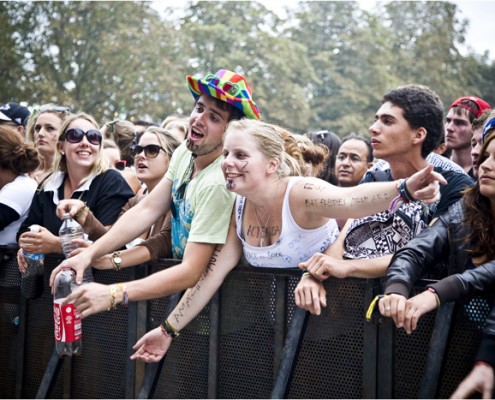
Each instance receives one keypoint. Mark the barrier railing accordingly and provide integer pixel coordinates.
(249, 342)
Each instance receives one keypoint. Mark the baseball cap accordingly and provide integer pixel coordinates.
(15, 113)
(465, 102)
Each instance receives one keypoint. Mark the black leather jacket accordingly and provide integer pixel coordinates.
(444, 239)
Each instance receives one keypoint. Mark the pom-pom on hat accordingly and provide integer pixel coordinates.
(464, 102)
(226, 86)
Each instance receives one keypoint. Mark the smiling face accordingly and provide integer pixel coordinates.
(207, 125)
(150, 170)
(83, 154)
(244, 167)
(46, 131)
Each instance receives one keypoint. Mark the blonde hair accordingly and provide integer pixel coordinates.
(60, 163)
(60, 112)
(273, 142)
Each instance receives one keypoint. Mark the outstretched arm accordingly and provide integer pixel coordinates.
(154, 345)
(321, 199)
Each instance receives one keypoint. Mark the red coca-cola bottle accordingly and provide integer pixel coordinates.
(68, 329)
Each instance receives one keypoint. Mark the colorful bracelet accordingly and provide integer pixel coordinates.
(125, 296)
(169, 330)
(436, 295)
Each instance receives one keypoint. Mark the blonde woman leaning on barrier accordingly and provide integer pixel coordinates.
(278, 221)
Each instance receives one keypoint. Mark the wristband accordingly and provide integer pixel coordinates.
(169, 330)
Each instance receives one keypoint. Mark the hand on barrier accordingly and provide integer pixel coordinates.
(479, 380)
(416, 307)
(310, 295)
(152, 347)
(394, 306)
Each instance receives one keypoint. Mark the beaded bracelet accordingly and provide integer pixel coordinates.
(436, 295)
(169, 330)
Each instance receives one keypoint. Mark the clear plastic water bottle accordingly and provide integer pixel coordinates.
(32, 279)
(67, 320)
(70, 230)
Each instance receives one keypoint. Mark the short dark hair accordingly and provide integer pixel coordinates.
(480, 121)
(234, 113)
(421, 108)
(365, 139)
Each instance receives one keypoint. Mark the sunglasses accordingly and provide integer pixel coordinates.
(150, 151)
(120, 164)
(50, 108)
(76, 135)
(228, 87)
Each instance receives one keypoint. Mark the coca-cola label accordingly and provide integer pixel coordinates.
(67, 321)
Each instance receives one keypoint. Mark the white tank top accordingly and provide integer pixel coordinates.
(294, 245)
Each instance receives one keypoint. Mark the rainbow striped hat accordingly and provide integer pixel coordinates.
(226, 86)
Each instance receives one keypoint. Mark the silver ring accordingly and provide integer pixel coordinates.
(387, 308)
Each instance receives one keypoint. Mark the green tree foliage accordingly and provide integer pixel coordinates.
(326, 64)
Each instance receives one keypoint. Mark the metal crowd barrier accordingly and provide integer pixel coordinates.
(251, 341)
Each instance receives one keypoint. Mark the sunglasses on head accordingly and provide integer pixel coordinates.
(150, 151)
(76, 135)
(227, 87)
(120, 164)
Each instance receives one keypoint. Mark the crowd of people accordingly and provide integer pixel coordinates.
(221, 186)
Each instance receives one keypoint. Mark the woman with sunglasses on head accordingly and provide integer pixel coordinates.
(152, 155)
(81, 172)
(43, 130)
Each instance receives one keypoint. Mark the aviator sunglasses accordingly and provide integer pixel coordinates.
(76, 135)
(150, 151)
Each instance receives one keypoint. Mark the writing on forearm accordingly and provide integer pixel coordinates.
(190, 293)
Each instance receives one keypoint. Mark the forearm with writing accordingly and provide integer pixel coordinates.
(224, 259)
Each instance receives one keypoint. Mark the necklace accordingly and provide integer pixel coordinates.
(264, 229)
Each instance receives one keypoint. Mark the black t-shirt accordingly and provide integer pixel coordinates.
(105, 197)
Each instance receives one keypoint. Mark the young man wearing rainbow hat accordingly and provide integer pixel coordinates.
(193, 189)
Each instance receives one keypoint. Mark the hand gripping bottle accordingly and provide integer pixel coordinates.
(71, 229)
(67, 320)
(32, 279)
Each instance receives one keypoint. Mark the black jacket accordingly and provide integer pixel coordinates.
(444, 239)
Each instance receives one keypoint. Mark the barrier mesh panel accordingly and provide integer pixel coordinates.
(330, 363)
(100, 370)
(246, 343)
(39, 341)
(9, 310)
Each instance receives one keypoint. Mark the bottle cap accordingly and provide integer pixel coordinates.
(35, 228)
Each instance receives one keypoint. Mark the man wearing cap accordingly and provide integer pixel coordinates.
(458, 131)
(193, 189)
(15, 115)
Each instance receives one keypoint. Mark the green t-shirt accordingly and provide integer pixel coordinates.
(201, 209)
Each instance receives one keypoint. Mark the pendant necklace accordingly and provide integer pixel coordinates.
(264, 228)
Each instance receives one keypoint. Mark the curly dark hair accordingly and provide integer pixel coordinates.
(480, 240)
